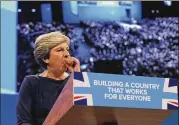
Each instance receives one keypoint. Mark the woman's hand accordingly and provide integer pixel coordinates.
(73, 64)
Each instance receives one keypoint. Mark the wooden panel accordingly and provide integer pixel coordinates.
(63, 103)
(86, 115)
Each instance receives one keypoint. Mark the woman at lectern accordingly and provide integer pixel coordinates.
(39, 92)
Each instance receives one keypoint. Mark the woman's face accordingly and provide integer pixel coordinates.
(58, 57)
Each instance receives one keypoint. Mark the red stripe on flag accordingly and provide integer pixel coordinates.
(176, 103)
(77, 97)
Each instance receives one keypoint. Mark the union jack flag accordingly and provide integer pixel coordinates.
(170, 86)
(81, 79)
(83, 99)
(169, 104)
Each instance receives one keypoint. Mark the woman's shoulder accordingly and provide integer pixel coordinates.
(31, 80)
(32, 77)
(29, 83)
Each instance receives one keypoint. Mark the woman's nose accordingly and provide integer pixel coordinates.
(67, 54)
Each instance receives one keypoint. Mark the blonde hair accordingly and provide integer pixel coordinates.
(44, 43)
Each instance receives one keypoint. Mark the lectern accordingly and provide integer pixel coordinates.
(109, 99)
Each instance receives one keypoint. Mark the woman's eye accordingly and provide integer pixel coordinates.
(59, 50)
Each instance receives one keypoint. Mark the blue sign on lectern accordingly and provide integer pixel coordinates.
(97, 89)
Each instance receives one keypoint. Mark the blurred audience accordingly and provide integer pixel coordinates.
(148, 48)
